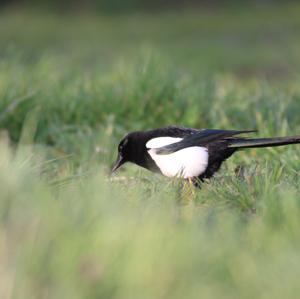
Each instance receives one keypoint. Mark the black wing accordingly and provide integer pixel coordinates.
(201, 138)
(172, 131)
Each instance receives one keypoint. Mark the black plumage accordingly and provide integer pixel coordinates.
(219, 145)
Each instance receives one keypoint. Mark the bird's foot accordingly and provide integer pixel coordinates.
(188, 190)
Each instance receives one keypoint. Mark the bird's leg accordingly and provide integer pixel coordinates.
(189, 189)
(191, 186)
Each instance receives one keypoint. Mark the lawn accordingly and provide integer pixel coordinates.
(71, 86)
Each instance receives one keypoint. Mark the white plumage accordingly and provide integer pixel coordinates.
(162, 141)
(187, 163)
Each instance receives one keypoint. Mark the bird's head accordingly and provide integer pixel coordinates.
(124, 152)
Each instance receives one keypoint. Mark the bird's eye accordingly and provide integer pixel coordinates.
(122, 145)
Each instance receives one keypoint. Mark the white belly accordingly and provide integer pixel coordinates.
(187, 163)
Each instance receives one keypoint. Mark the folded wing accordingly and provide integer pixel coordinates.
(202, 139)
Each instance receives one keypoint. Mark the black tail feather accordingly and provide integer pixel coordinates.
(263, 142)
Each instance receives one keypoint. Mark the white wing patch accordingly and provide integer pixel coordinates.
(162, 141)
(187, 163)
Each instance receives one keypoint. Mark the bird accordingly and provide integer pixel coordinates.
(188, 153)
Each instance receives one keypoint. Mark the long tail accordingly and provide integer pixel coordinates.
(263, 142)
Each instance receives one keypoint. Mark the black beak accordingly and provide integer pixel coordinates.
(120, 161)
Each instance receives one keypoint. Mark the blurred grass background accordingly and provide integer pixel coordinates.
(75, 78)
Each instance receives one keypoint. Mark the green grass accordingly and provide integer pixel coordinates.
(72, 86)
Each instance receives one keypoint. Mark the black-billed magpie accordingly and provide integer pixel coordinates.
(188, 153)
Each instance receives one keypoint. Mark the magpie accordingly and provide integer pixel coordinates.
(189, 153)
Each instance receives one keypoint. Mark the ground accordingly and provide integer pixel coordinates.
(71, 86)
